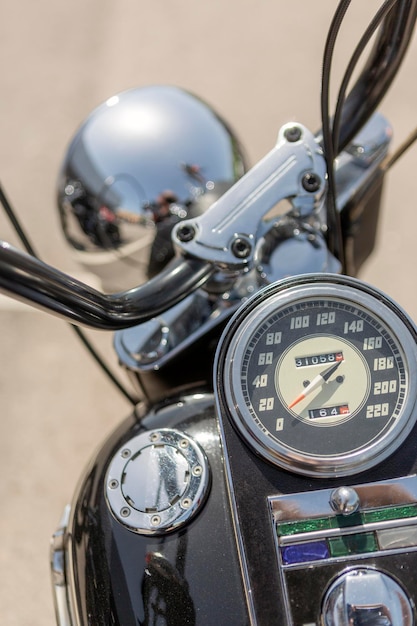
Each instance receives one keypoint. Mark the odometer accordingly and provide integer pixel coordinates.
(319, 375)
(318, 359)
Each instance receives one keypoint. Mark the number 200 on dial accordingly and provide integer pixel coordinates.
(319, 377)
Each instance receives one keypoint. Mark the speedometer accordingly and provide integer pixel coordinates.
(318, 374)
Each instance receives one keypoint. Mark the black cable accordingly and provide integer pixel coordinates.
(88, 345)
(372, 27)
(334, 234)
(380, 69)
(80, 334)
(399, 34)
(391, 159)
(16, 224)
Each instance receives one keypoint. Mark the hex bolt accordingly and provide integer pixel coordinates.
(186, 232)
(241, 248)
(311, 182)
(293, 134)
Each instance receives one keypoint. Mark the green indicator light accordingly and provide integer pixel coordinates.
(304, 526)
(394, 512)
(353, 544)
(345, 521)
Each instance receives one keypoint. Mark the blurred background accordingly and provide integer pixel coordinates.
(258, 62)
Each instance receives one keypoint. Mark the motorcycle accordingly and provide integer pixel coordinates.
(133, 550)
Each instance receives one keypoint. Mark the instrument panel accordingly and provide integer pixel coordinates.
(318, 375)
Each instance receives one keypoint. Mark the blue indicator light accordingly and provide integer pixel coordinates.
(302, 552)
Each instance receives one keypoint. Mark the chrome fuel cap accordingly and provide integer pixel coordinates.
(157, 481)
(366, 596)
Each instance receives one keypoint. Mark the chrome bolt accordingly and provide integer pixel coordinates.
(113, 484)
(125, 512)
(241, 248)
(126, 453)
(154, 437)
(155, 520)
(186, 503)
(311, 182)
(197, 470)
(344, 500)
(293, 134)
(186, 233)
(183, 444)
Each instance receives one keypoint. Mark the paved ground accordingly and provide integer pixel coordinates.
(258, 62)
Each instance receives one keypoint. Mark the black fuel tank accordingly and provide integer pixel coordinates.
(186, 573)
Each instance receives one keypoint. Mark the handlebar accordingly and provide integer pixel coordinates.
(41, 285)
(34, 282)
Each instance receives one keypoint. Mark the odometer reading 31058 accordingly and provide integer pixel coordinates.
(319, 378)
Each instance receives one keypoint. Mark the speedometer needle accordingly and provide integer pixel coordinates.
(318, 381)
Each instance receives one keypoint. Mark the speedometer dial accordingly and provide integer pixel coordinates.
(319, 375)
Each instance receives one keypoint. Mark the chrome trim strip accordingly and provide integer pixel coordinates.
(346, 559)
(395, 492)
(351, 530)
(235, 521)
(58, 571)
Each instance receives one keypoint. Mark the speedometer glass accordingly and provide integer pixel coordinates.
(318, 375)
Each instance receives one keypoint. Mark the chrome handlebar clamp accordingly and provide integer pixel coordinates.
(228, 234)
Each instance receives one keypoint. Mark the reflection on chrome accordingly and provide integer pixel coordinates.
(157, 481)
(142, 161)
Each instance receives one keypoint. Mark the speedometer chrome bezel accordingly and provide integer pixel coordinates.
(241, 329)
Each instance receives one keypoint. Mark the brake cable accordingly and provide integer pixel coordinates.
(391, 159)
(353, 111)
(373, 25)
(334, 233)
(11, 214)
